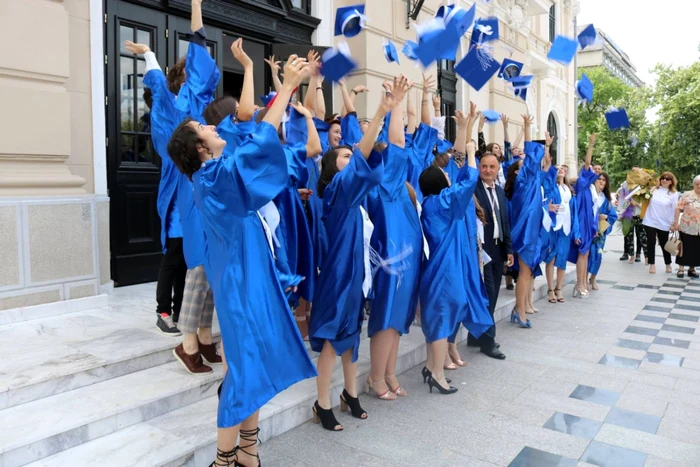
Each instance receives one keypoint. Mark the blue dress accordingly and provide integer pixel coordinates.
(525, 209)
(422, 144)
(397, 230)
(551, 193)
(596, 257)
(446, 280)
(563, 240)
(338, 299)
(588, 225)
(263, 348)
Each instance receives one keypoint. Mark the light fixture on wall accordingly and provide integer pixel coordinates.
(413, 9)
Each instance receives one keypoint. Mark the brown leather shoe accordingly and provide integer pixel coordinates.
(209, 353)
(192, 363)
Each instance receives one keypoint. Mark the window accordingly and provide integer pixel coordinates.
(552, 129)
(447, 65)
(304, 5)
(552, 23)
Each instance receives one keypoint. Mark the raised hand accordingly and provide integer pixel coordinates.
(482, 121)
(549, 139)
(239, 54)
(360, 88)
(400, 88)
(388, 101)
(505, 120)
(428, 82)
(295, 71)
(314, 60)
(592, 139)
(299, 107)
(528, 120)
(136, 48)
(473, 111)
(274, 65)
(460, 118)
(437, 102)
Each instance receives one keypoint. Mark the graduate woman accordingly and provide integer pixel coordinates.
(397, 236)
(445, 280)
(255, 321)
(523, 188)
(347, 176)
(587, 199)
(607, 215)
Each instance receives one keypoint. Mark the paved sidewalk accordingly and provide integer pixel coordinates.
(609, 381)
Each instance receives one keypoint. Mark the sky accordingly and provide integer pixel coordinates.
(648, 31)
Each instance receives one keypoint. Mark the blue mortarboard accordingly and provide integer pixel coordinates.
(349, 20)
(617, 119)
(584, 89)
(337, 63)
(510, 69)
(491, 116)
(390, 51)
(439, 37)
(485, 30)
(408, 50)
(587, 36)
(477, 68)
(443, 146)
(563, 50)
(520, 85)
(267, 98)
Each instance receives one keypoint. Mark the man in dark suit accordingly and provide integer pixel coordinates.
(497, 244)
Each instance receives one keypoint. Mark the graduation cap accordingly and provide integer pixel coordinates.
(408, 50)
(563, 50)
(443, 146)
(485, 30)
(510, 69)
(337, 63)
(520, 85)
(584, 89)
(617, 118)
(476, 68)
(266, 99)
(439, 37)
(390, 52)
(349, 20)
(491, 116)
(587, 36)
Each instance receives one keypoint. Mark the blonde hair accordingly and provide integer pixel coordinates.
(412, 195)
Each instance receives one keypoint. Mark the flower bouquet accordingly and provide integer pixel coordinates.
(639, 185)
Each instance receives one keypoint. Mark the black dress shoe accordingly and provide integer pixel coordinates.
(497, 345)
(472, 343)
(493, 352)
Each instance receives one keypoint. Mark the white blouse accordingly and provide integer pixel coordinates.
(661, 209)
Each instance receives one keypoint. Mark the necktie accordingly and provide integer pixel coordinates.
(496, 217)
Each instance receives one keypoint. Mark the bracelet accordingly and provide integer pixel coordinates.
(353, 91)
(319, 87)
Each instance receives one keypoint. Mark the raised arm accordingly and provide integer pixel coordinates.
(527, 126)
(589, 154)
(275, 70)
(295, 71)
(471, 154)
(547, 161)
(437, 105)
(400, 87)
(310, 97)
(428, 83)
(313, 142)
(462, 122)
(519, 139)
(388, 102)
(196, 22)
(246, 105)
(411, 113)
(320, 99)
(506, 136)
(348, 101)
(473, 115)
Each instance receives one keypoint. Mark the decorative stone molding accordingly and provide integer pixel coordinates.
(516, 13)
(573, 5)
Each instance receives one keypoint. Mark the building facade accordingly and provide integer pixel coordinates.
(79, 177)
(606, 53)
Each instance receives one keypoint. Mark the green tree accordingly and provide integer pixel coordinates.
(618, 150)
(678, 94)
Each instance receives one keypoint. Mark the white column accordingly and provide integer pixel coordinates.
(323, 10)
(99, 150)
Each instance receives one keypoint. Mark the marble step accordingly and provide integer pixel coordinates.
(187, 437)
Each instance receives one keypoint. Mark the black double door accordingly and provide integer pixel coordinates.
(133, 165)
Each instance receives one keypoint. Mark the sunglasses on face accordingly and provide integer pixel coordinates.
(665, 179)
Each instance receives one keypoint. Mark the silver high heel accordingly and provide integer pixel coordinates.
(580, 294)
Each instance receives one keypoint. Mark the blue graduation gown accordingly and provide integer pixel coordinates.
(396, 229)
(338, 303)
(588, 226)
(596, 257)
(563, 241)
(422, 145)
(350, 130)
(477, 295)
(256, 323)
(525, 208)
(551, 193)
(444, 297)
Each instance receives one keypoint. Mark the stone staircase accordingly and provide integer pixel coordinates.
(101, 387)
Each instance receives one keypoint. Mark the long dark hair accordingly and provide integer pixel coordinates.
(329, 168)
(182, 148)
(176, 75)
(220, 108)
(606, 190)
(432, 181)
(510, 179)
(479, 211)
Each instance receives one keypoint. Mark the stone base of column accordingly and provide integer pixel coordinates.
(36, 175)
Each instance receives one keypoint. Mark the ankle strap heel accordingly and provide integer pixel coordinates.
(225, 458)
(251, 437)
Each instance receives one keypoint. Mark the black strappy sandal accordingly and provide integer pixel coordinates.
(326, 418)
(250, 436)
(347, 401)
(227, 457)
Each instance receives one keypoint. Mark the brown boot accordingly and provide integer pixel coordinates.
(209, 353)
(192, 363)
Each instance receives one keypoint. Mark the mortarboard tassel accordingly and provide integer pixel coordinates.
(394, 265)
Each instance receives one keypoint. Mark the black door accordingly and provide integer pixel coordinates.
(133, 165)
(282, 51)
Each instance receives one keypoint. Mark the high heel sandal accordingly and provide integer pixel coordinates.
(559, 296)
(434, 384)
(386, 396)
(551, 296)
(580, 294)
(427, 374)
(594, 284)
(458, 361)
(347, 401)
(326, 418)
(250, 436)
(515, 318)
(228, 457)
(399, 391)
